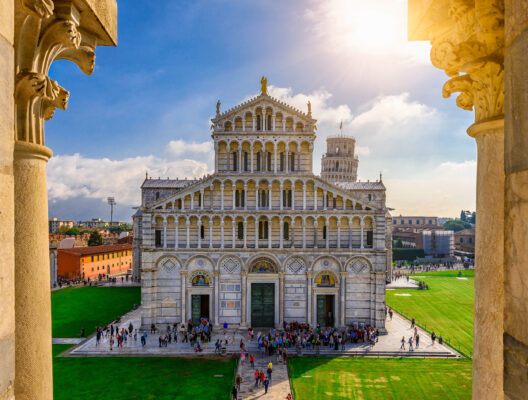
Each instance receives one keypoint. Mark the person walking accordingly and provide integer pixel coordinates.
(433, 337)
(402, 343)
(390, 313)
(417, 339)
(252, 360)
(234, 391)
(270, 370)
(412, 323)
(266, 384)
(410, 343)
(257, 377)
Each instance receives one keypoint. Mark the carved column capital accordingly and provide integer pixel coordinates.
(472, 55)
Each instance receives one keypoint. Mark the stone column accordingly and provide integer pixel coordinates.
(222, 233)
(269, 233)
(216, 291)
(281, 196)
(342, 293)
(233, 224)
(245, 233)
(361, 245)
(192, 201)
(202, 199)
(251, 150)
(199, 233)
(33, 34)
(234, 194)
(281, 233)
(269, 197)
(327, 234)
(338, 234)
(309, 296)
(164, 234)
(176, 233)
(325, 200)
(293, 196)
(315, 197)
(240, 161)
(273, 123)
(187, 240)
(211, 233)
(257, 198)
(281, 297)
(256, 233)
(274, 152)
(183, 275)
(243, 304)
(245, 196)
(222, 196)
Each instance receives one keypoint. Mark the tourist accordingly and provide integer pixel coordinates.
(242, 357)
(257, 377)
(417, 339)
(217, 346)
(82, 331)
(289, 397)
(410, 344)
(270, 370)
(262, 377)
(433, 337)
(412, 323)
(235, 392)
(402, 343)
(252, 360)
(238, 381)
(266, 384)
(390, 313)
(111, 342)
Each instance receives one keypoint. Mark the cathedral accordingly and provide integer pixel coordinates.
(263, 240)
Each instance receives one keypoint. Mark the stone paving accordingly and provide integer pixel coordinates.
(67, 340)
(402, 283)
(388, 345)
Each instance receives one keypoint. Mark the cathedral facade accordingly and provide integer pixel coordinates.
(263, 240)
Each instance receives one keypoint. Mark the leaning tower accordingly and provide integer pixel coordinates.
(339, 164)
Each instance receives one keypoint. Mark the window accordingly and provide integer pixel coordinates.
(263, 198)
(286, 231)
(157, 238)
(202, 232)
(240, 231)
(461, 240)
(394, 222)
(157, 195)
(324, 232)
(402, 222)
(292, 161)
(470, 240)
(281, 161)
(246, 161)
(286, 198)
(98, 257)
(199, 199)
(269, 160)
(239, 198)
(259, 120)
(430, 222)
(417, 222)
(92, 258)
(113, 255)
(410, 222)
(269, 123)
(258, 161)
(369, 238)
(263, 229)
(334, 201)
(369, 197)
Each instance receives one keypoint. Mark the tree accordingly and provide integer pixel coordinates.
(463, 216)
(473, 217)
(398, 243)
(456, 225)
(72, 231)
(95, 239)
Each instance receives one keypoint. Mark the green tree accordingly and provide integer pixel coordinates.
(73, 231)
(398, 243)
(456, 225)
(463, 216)
(473, 217)
(95, 239)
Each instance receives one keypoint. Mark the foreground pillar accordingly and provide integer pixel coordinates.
(44, 32)
(467, 40)
(33, 302)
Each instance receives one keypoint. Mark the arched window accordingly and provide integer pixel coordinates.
(157, 195)
(235, 161)
(202, 232)
(199, 199)
(337, 165)
(292, 161)
(263, 229)
(258, 160)
(370, 197)
(281, 168)
(324, 232)
(269, 160)
(269, 123)
(240, 231)
(259, 122)
(286, 231)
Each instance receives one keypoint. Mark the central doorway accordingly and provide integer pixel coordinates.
(262, 305)
(325, 310)
(199, 307)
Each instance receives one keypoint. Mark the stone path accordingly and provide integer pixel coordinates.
(402, 283)
(280, 383)
(388, 345)
(67, 340)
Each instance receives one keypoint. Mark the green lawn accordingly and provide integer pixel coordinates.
(446, 308)
(379, 378)
(73, 308)
(110, 378)
(465, 273)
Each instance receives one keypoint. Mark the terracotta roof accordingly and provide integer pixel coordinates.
(468, 231)
(83, 251)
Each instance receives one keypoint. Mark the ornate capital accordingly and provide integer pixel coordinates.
(471, 52)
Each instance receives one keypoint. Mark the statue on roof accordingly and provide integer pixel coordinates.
(264, 85)
(309, 108)
(218, 107)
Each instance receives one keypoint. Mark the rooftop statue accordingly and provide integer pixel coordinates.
(264, 85)
(218, 107)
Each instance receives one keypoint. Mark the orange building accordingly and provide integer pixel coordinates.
(94, 262)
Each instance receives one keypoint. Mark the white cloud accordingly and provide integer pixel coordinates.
(74, 175)
(180, 147)
(442, 191)
(365, 27)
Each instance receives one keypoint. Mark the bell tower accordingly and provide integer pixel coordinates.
(339, 164)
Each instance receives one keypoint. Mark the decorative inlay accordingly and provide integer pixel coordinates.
(231, 265)
(296, 265)
(168, 265)
(358, 266)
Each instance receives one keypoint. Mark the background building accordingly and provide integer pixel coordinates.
(263, 240)
(465, 241)
(418, 222)
(339, 164)
(95, 262)
(438, 244)
(55, 224)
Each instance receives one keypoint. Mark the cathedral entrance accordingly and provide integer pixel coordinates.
(325, 310)
(199, 307)
(262, 305)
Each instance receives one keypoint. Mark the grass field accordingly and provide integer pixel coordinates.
(379, 378)
(465, 273)
(73, 308)
(446, 308)
(110, 378)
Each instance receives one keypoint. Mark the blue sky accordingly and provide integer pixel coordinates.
(148, 103)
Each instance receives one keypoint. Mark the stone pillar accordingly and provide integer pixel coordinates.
(164, 234)
(269, 233)
(211, 233)
(309, 296)
(281, 297)
(281, 196)
(233, 225)
(187, 240)
(245, 196)
(274, 152)
(489, 250)
(245, 233)
(183, 276)
(199, 234)
(293, 196)
(251, 150)
(33, 34)
(202, 199)
(361, 245)
(273, 123)
(303, 233)
(243, 304)
(222, 196)
(315, 197)
(304, 195)
(338, 234)
(256, 233)
(222, 233)
(269, 197)
(234, 194)
(257, 198)
(216, 291)
(342, 302)
(325, 200)
(176, 233)
(240, 161)
(327, 234)
(192, 201)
